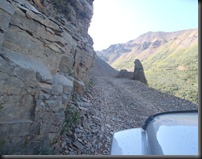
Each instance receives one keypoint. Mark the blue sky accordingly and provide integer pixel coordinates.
(118, 21)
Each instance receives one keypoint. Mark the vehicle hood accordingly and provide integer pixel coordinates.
(175, 134)
(169, 133)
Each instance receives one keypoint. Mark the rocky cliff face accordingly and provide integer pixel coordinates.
(45, 57)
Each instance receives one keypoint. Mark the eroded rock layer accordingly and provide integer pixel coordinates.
(44, 58)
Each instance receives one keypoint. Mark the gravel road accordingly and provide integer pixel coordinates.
(114, 104)
(126, 103)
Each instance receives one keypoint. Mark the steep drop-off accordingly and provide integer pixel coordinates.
(45, 58)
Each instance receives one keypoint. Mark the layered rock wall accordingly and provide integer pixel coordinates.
(44, 58)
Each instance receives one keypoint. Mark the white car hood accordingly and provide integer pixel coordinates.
(163, 134)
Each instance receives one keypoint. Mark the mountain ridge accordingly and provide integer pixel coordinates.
(147, 42)
(170, 60)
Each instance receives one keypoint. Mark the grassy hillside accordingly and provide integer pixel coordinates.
(174, 72)
(170, 60)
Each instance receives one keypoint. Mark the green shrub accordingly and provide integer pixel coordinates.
(72, 118)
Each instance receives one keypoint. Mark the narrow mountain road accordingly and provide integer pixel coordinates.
(126, 103)
(117, 104)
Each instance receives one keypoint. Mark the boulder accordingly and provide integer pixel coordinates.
(139, 72)
(125, 74)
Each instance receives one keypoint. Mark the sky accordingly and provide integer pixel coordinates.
(118, 21)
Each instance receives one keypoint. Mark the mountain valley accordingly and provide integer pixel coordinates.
(57, 97)
(170, 60)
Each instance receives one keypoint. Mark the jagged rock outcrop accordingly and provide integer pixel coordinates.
(139, 72)
(125, 74)
(44, 58)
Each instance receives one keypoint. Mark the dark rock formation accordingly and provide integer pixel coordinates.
(44, 58)
(125, 74)
(139, 72)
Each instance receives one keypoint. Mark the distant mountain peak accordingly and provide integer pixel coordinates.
(121, 55)
(170, 60)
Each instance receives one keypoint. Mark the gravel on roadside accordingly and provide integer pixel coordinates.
(110, 105)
